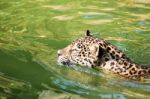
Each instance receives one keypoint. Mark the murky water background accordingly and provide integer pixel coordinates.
(31, 32)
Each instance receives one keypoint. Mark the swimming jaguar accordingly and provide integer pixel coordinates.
(94, 52)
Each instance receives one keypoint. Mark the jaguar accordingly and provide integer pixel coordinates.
(98, 53)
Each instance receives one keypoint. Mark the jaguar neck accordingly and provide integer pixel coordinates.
(125, 68)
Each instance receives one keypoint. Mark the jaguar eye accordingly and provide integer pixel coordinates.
(78, 46)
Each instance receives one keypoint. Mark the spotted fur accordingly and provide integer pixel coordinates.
(93, 52)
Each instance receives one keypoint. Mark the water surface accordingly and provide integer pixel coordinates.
(31, 32)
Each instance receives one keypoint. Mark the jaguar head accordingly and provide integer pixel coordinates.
(84, 51)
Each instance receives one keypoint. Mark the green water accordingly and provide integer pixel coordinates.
(31, 32)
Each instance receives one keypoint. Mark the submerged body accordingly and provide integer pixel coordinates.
(93, 52)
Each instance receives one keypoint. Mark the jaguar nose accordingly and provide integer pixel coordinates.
(59, 53)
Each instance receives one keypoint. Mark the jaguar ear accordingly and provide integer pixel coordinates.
(88, 33)
(100, 52)
(96, 50)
